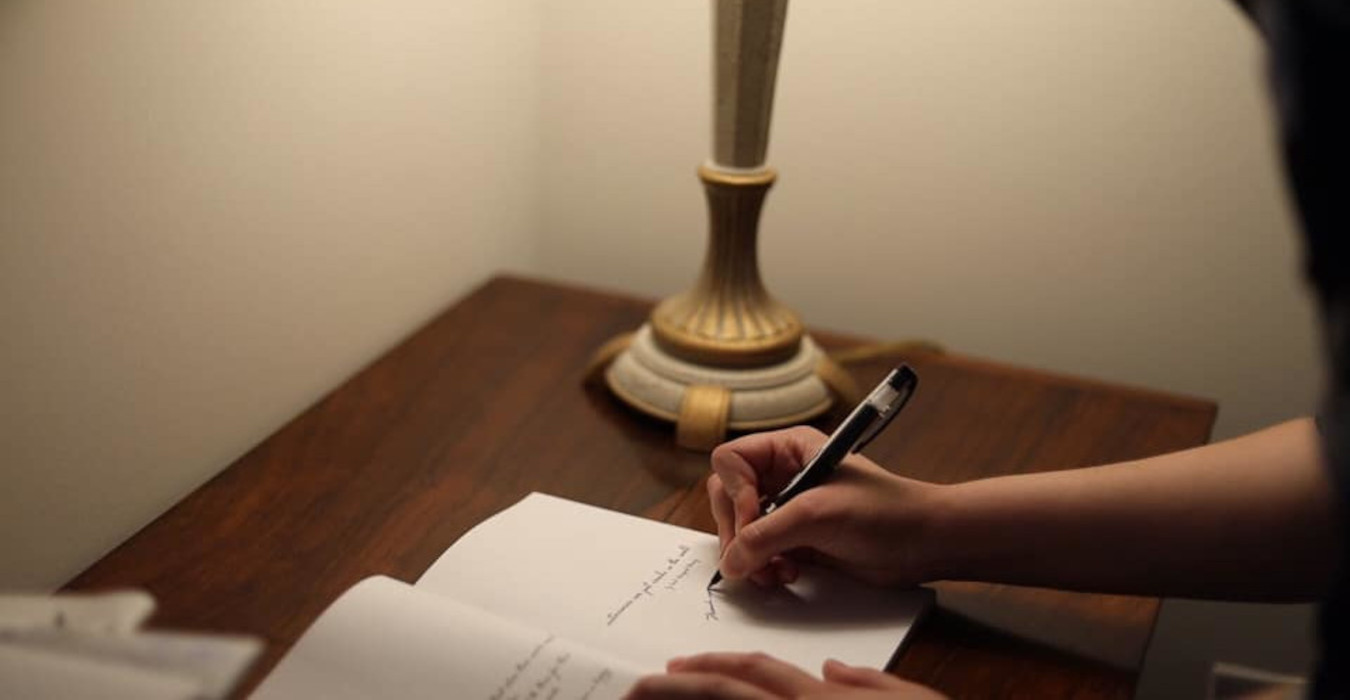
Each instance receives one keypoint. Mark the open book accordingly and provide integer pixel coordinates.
(554, 599)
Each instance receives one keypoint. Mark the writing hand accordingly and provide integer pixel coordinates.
(865, 520)
(727, 676)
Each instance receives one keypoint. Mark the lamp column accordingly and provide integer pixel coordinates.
(725, 354)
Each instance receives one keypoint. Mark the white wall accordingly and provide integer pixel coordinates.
(212, 213)
(1087, 187)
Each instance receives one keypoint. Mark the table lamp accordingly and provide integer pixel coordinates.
(725, 355)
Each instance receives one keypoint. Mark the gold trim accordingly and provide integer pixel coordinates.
(703, 417)
(740, 426)
(723, 352)
(839, 381)
(728, 319)
(601, 358)
(761, 178)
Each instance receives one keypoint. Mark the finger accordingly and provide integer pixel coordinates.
(722, 511)
(786, 569)
(740, 479)
(773, 457)
(814, 557)
(796, 525)
(778, 678)
(836, 671)
(762, 463)
(701, 686)
(780, 571)
(764, 578)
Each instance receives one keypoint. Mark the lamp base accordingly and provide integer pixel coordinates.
(705, 402)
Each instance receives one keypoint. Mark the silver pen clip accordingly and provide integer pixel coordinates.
(888, 399)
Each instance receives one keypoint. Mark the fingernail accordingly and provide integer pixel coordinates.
(675, 663)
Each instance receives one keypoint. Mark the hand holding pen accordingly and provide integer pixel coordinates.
(816, 499)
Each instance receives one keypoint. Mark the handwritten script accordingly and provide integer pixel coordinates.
(542, 675)
(600, 679)
(668, 576)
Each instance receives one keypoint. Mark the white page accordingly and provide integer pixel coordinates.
(39, 673)
(637, 588)
(385, 639)
(213, 662)
(116, 612)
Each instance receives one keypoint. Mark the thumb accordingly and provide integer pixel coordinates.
(790, 527)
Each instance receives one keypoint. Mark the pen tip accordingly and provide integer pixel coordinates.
(716, 577)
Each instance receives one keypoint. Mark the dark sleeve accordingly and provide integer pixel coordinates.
(1309, 69)
(1247, 7)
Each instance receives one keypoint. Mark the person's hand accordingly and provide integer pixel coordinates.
(726, 676)
(864, 520)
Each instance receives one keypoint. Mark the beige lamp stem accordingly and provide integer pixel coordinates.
(725, 354)
(728, 319)
(747, 35)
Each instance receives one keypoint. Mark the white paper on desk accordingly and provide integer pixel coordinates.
(214, 662)
(117, 612)
(386, 639)
(637, 588)
(36, 673)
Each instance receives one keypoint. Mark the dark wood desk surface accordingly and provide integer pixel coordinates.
(485, 404)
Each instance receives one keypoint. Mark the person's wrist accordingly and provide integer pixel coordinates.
(938, 553)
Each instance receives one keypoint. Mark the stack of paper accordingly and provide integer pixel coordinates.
(92, 646)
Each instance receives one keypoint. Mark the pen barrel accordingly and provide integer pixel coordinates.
(822, 465)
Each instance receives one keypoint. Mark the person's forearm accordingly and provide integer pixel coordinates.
(1249, 518)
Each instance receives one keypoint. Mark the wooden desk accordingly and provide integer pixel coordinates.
(485, 404)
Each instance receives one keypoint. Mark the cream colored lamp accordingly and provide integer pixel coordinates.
(725, 355)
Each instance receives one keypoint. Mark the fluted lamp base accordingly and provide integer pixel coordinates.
(706, 402)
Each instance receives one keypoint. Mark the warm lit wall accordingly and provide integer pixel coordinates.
(1089, 187)
(212, 213)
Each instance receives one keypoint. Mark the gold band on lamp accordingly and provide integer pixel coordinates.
(595, 370)
(839, 381)
(762, 178)
(703, 417)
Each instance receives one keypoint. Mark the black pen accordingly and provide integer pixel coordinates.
(866, 421)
